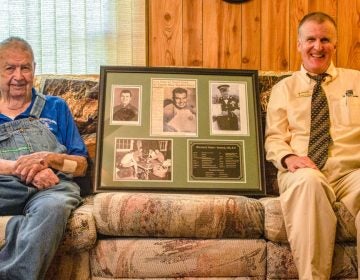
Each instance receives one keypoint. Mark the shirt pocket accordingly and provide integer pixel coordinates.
(42, 139)
(346, 111)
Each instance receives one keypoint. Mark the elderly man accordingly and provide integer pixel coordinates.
(313, 138)
(40, 152)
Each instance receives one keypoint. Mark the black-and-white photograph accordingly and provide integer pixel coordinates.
(142, 159)
(174, 107)
(228, 108)
(126, 102)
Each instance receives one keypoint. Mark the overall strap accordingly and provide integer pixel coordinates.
(38, 105)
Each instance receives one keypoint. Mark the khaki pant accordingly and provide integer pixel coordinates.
(306, 201)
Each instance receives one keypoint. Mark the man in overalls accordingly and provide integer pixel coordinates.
(40, 152)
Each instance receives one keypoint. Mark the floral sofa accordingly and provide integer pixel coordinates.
(154, 235)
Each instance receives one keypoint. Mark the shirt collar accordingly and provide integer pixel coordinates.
(331, 71)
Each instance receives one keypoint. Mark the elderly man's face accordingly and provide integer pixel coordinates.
(180, 99)
(17, 70)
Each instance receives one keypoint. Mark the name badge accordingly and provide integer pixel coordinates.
(304, 94)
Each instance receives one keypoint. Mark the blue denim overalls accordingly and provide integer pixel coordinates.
(39, 217)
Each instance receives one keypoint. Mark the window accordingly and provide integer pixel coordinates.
(163, 146)
(77, 36)
(124, 145)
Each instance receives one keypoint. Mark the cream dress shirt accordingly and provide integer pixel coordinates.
(288, 119)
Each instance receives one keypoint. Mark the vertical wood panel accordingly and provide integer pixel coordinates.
(275, 35)
(213, 33)
(222, 34)
(298, 8)
(349, 34)
(192, 33)
(250, 35)
(211, 37)
(165, 30)
(327, 6)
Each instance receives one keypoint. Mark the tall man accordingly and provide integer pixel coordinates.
(311, 179)
(40, 152)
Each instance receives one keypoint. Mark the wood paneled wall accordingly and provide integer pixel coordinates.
(257, 34)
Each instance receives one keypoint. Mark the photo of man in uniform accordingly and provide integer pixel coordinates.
(229, 118)
(125, 111)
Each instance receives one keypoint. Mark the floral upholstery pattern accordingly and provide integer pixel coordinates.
(266, 82)
(184, 278)
(139, 257)
(80, 234)
(70, 266)
(72, 258)
(178, 215)
(280, 263)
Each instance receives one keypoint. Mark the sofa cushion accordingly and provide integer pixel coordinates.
(178, 215)
(275, 227)
(280, 263)
(70, 266)
(266, 81)
(80, 233)
(146, 257)
(81, 95)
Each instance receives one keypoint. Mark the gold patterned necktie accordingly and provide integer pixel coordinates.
(320, 124)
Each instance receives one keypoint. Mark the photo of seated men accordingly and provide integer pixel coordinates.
(230, 110)
(179, 112)
(143, 161)
(125, 111)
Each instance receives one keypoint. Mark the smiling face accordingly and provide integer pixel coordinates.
(317, 44)
(180, 99)
(17, 69)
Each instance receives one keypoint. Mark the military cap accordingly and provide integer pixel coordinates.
(223, 87)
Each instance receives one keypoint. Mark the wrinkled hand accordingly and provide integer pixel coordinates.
(26, 167)
(294, 162)
(45, 178)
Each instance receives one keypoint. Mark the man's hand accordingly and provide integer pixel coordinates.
(26, 167)
(294, 162)
(45, 179)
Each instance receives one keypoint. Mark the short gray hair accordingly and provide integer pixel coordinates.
(318, 17)
(17, 42)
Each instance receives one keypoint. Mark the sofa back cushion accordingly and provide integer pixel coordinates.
(81, 94)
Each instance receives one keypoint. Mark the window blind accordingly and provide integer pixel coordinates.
(77, 36)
